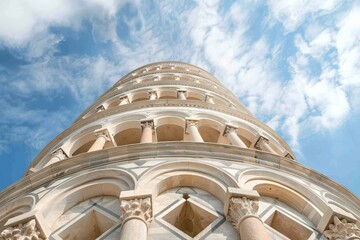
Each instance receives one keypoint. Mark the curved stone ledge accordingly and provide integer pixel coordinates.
(187, 151)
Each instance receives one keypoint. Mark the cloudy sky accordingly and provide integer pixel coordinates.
(294, 64)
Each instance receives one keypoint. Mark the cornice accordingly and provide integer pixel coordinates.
(153, 104)
(189, 151)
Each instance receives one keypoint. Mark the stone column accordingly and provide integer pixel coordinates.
(101, 138)
(209, 99)
(152, 95)
(22, 232)
(123, 100)
(100, 108)
(263, 144)
(342, 230)
(56, 156)
(230, 132)
(243, 214)
(147, 131)
(181, 94)
(192, 129)
(135, 217)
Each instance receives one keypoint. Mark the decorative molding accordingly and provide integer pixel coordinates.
(136, 208)
(343, 230)
(27, 231)
(240, 208)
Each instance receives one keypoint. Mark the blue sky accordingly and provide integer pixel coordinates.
(294, 64)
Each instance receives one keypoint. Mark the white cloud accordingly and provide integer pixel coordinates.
(26, 24)
(348, 45)
(293, 13)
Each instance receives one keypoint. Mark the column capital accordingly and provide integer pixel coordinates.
(261, 140)
(103, 133)
(341, 229)
(100, 108)
(147, 123)
(22, 231)
(208, 98)
(123, 97)
(229, 128)
(59, 153)
(241, 208)
(191, 122)
(152, 92)
(139, 208)
(289, 155)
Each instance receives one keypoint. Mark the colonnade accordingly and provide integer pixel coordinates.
(181, 94)
(191, 127)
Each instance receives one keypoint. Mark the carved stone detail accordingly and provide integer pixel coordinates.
(148, 123)
(100, 108)
(240, 207)
(59, 153)
(229, 129)
(27, 231)
(136, 208)
(191, 122)
(209, 99)
(124, 98)
(343, 230)
(153, 93)
(103, 133)
(261, 140)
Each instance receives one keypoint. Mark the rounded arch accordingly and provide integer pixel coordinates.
(170, 128)
(16, 207)
(339, 205)
(89, 184)
(167, 94)
(127, 132)
(210, 130)
(139, 96)
(293, 193)
(194, 95)
(187, 173)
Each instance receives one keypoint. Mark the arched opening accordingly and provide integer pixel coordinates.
(167, 94)
(98, 183)
(194, 96)
(142, 96)
(89, 213)
(128, 136)
(84, 148)
(114, 103)
(190, 174)
(209, 134)
(169, 132)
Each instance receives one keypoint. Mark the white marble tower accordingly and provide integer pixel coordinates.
(170, 153)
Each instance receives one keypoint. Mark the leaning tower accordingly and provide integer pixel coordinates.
(170, 153)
